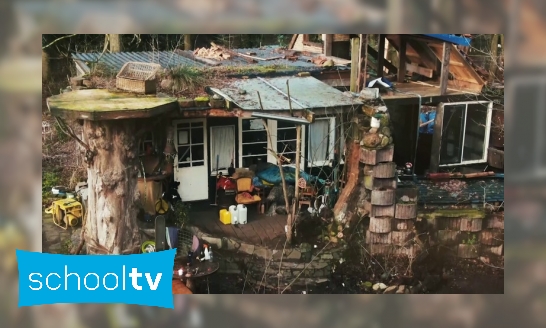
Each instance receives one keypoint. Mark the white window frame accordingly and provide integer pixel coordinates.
(144, 141)
(331, 143)
(270, 157)
(487, 132)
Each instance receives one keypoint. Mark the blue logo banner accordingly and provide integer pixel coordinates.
(142, 279)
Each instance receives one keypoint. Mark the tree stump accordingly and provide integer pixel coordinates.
(492, 237)
(401, 238)
(378, 210)
(468, 251)
(471, 224)
(380, 225)
(378, 238)
(494, 250)
(110, 138)
(448, 237)
(495, 221)
(384, 170)
(382, 197)
(405, 211)
(375, 156)
(383, 249)
(371, 183)
(347, 204)
(401, 225)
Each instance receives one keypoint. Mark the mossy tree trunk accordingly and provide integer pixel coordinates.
(115, 42)
(187, 42)
(111, 226)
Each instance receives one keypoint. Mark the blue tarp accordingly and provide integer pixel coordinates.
(272, 175)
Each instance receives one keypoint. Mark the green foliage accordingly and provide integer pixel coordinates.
(181, 214)
(186, 78)
(470, 241)
(66, 246)
(49, 180)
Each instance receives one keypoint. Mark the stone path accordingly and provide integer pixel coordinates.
(52, 236)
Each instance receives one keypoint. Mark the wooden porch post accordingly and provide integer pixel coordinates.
(355, 49)
(402, 60)
(444, 77)
(381, 55)
(328, 44)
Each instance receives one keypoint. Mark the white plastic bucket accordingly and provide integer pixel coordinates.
(234, 214)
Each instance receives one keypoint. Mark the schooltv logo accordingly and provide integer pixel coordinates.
(143, 279)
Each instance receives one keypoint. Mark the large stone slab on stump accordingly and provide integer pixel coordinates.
(382, 197)
(492, 237)
(384, 170)
(380, 210)
(378, 238)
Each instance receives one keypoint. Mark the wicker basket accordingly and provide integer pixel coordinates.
(138, 77)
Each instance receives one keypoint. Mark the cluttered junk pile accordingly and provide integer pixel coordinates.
(261, 185)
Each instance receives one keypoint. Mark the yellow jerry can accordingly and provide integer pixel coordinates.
(225, 216)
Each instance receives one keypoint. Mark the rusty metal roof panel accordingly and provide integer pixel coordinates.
(117, 60)
(306, 93)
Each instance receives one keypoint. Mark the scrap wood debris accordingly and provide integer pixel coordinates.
(214, 52)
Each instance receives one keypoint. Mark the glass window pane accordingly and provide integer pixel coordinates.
(318, 141)
(197, 136)
(452, 134)
(184, 154)
(286, 146)
(248, 161)
(474, 141)
(196, 124)
(184, 137)
(198, 163)
(183, 125)
(254, 136)
(287, 134)
(187, 164)
(255, 149)
(197, 153)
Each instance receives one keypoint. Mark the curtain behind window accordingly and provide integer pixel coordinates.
(222, 144)
(318, 141)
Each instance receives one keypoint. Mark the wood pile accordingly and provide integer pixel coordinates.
(214, 52)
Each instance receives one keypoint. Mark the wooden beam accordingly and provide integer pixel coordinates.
(381, 55)
(420, 70)
(362, 59)
(402, 60)
(355, 48)
(392, 69)
(293, 41)
(425, 53)
(436, 147)
(328, 42)
(444, 77)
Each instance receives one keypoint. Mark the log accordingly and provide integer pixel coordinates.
(401, 225)
(378, 238)
(492, 237)
(380, 225)
(494, 221)
(408, 251)
(379, 210)
(448, 237)
(471, 224)
(383, 197)
(372, 183)
(448, 223)
(405, 211)
(384, 170)
(495, 250)
(346, 205)
(111, 226)
(465, 251)
(401, 238)
(375, 156)
(381, 249)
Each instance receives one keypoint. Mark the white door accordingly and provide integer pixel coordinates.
(191, 162)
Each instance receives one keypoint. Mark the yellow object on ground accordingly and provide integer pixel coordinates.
(66, 212)
(225, 216)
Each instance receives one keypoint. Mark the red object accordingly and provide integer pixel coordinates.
(226, 184)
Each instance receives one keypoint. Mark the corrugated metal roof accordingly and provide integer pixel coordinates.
(306, 93)
(117, 60)
(169, 59)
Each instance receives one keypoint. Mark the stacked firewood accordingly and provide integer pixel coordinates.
(392, 211)
(214, 52)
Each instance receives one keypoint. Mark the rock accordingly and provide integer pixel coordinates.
(390, 290)
(327, 256)
(382, 285)
(167, 84)
(386, 131)
(294, 255)
(385, 141)
(369, 93)
(371, 140)
(401, 289)
(247, 248)
(373, 130)
(328, 63)
(333, 239)
(382, 109)
(369, 111)
(375, 287)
